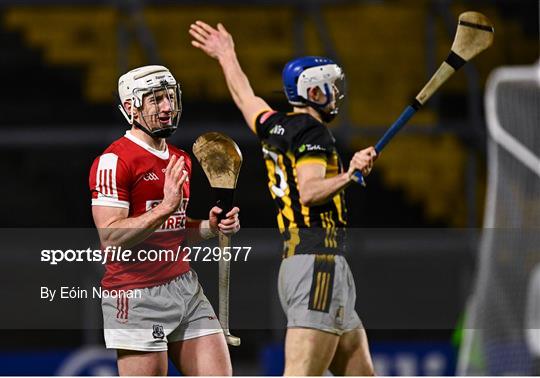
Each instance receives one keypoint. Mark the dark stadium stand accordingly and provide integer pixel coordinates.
(71, 54)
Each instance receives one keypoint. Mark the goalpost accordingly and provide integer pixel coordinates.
(502, 324)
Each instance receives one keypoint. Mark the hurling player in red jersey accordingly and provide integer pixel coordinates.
(140, 192)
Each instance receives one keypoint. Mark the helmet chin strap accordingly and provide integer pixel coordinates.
(327, 117)
(162, 133)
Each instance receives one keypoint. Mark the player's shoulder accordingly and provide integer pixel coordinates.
(118, 152)
(121, 146)
(291, 123)
(303, 121)
(303, 125)
(110, 161)
(268, 116)
(289, 117)
(311, 135)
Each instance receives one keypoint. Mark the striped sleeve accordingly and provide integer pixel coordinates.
(109, 182)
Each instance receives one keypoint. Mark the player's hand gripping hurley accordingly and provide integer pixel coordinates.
(474, 34)
(221, 159)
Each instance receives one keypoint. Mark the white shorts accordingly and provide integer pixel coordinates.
(171, 312)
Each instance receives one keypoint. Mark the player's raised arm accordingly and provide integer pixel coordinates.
(219, 44)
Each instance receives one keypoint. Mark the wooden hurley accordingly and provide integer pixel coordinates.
(474, 34)
(221, 159)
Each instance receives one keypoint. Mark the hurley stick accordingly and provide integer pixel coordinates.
(221, 159)
(474, 34)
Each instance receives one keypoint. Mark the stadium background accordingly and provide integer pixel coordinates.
(60, 64)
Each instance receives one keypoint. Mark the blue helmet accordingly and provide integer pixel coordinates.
(307, 72)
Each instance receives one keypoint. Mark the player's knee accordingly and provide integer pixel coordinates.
(350, 346)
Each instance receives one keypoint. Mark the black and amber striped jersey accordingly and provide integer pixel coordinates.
(288, 141)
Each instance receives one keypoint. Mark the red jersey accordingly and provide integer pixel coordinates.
(131, 174)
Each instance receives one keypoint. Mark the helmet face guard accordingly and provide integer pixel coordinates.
(333, 96)
(302, 74)
(154, 84)
(170, 93)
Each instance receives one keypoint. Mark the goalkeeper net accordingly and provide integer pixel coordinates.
(502, 326)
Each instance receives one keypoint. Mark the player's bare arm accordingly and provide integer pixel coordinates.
(315, 189)
(117, 229)
(219, 44)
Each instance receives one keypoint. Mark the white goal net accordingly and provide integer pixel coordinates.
(502, 325)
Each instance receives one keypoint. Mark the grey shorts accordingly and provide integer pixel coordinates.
(174, 311)
(318, 291)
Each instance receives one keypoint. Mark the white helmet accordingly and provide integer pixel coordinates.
(320, 76)
(133, 85)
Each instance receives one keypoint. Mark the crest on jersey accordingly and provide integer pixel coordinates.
(158, 331)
